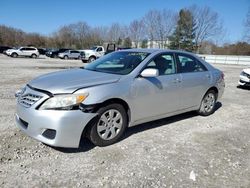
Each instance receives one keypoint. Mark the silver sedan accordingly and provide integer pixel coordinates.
(119, 90)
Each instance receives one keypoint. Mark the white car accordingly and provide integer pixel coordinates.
(245, 77)
(23, 51)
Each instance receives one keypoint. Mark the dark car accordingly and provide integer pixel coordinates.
(4, 48)
(42, 51)
(54, 53)
(123, 48)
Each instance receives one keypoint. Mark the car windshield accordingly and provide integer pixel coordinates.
(94, 47)
(118, 62)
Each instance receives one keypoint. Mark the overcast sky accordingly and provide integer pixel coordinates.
(46, 16)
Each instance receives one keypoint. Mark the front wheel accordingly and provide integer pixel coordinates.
(65, 57)
(109, 126)
(208, 102)
(14, 55)
(33, 56)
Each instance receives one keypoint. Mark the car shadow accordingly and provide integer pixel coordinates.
(162, 122)
(85, 145)
(243, 87)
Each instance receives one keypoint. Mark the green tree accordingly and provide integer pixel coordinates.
(184, 34)
(119, 41)
(127, 43)
(144, 43)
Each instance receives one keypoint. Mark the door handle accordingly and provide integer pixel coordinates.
(208, 76)
(176, 80)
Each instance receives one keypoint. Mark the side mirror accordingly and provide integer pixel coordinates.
(150, 72)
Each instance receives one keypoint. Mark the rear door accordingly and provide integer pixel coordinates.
(195, 80)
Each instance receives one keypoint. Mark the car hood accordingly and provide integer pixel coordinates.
(11, 50)
(246, 71)
(69, 81)
(88, 51)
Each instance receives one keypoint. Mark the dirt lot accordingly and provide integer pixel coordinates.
(182, 151)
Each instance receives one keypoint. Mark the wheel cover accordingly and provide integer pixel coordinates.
(208, 102)
(110, 124)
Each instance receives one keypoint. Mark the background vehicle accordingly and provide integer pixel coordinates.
(23, 51)
(4, 48)
(54, 53)
(42, 51)
(92, 54)
(121, 89)
(245, 78)
(70, 54)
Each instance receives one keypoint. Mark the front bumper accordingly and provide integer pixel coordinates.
(244, 81)
(67, 126)
(61, 56)
(8, 53)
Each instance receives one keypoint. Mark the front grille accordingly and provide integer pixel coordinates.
(27, 100)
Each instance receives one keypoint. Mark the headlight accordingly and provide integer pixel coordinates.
(244, 74)
(20, 92)
(63, 102)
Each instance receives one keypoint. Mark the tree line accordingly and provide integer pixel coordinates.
(193, 29)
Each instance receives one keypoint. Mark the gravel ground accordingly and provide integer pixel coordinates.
(182, 151)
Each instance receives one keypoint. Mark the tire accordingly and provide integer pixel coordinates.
(105, 130)
(14, 55)
(66, 57)
(208, 103)
(92, 58)
(54, 56)
(33, 56)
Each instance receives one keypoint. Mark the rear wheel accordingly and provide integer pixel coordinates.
(208, 102)
(34, 56)
(109, 126)
(14, 55)
(92, 58)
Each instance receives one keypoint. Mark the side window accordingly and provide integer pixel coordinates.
(99, 49)
(164, 63)
(189, 64)
(30, 49)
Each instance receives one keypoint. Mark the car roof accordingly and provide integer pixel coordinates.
(153, 50)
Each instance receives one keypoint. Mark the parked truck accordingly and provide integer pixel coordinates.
(92, 54)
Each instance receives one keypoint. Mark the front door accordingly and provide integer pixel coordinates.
(156, 96)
